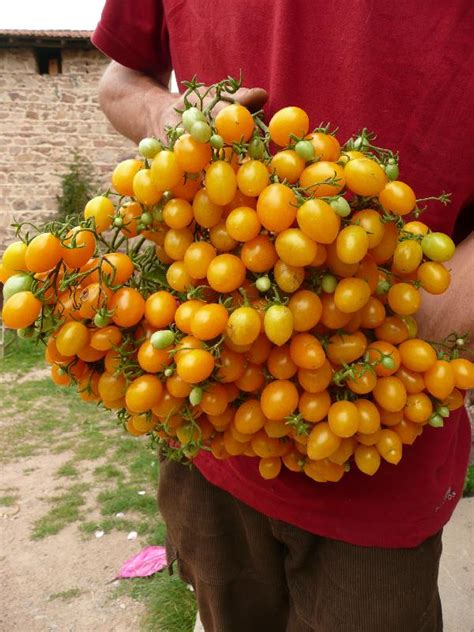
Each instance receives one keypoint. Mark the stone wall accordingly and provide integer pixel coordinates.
(44, 120)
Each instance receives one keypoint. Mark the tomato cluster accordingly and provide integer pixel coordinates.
(248, 290)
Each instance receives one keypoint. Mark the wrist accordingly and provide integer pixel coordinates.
(159, 108)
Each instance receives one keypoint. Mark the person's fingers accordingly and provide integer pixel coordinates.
(253, 98)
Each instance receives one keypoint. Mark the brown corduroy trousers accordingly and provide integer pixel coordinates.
(251, 573)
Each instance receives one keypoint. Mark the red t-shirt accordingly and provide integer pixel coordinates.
(400, 69)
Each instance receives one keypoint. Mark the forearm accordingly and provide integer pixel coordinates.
(134, 103)
(453, 310)
(138, 105)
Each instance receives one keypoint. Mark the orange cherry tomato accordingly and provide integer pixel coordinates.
(160, 309)
(318, 220)
(314, 407)
(306, 308)
(209, 321)
(221, 182)
(21, 310)
(43, 253)
(191, 156)
(417, 355)
(317, 380)
(288, 165)
(307, 352)
(214, 400)
(259, 254)
(286, 122)
(397, 197)
(78, 247)
(225, 273)
(322, 441)
(166, 172)
(279, 399)
(276, 207)
(390, 446)
(440, 379)
(128, 307)
(364, 176)
(418, 408)
(390, 393)
(367, 459)
(234, 123)
(463, 373)
(249, 417)
(324, 178)
(434, 277)
(105, 338)
(102, 210)
(195, 366)
(369, 416)
(123, 174)
(143, 393)
(371, 222)
(153, 360)
(404, 298)
(252, 178)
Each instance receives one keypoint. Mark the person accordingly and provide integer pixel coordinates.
(361, 555)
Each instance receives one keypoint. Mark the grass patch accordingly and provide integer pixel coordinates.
(66, 509)
(108, 472)
(66, 595)
(68, 470)
(7, 501)
(42, 417)
(469, 484)
(125, 498)
(21, 355)
(170, 605)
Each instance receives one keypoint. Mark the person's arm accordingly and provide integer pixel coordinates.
(452, 311)
(138, 105)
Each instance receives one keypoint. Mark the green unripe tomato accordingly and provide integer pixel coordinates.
(388, 362)
(392, 171)
(191, 116)
(382, 287)
(443, 411)
(360, 143)
(305, 150)
(146, 219)
(167, 196)
(256, 149)
(328, 283)
(438, 247)
(216, 141)
(25, 333)
(436, 421)
(101, 320)
(263, 284)
(20, 282)
(162, 339)
(195, 396)
(341, 206)
(149, 147)
(118, 222)
(201, 132)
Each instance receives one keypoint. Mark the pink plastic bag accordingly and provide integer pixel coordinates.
(148, 561)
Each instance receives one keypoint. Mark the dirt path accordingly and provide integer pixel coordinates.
(61, 582)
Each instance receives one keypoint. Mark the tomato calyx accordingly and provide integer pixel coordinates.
(298, 423)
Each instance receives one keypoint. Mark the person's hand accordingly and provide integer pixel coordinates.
(166, 115)
(441, 315)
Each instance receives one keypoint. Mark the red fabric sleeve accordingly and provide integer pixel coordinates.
(135, 35)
